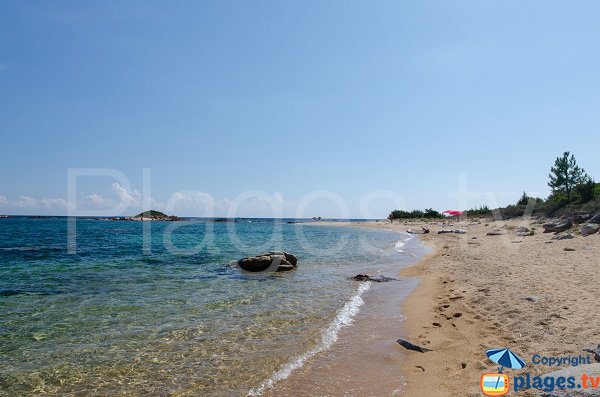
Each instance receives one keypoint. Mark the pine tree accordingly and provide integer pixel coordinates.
(565, 175)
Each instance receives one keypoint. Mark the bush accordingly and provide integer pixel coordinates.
(480, 211)
(415, 214)
(524, 200)
(586, 191)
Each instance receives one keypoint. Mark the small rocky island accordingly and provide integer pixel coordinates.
(150, 215)
(269, 261)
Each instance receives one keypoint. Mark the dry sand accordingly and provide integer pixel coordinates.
(479, 292)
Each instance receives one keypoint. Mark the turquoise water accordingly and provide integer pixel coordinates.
(179, 319)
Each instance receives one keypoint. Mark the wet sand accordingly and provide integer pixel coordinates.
(474, 292)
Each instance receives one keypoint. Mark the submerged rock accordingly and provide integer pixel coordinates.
(269, 261)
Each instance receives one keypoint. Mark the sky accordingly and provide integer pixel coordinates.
(292, 108)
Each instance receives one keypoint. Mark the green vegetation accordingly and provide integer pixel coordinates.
(573, 191)
(479, 211)
(152, 214)
(415, 214)
(566, 175)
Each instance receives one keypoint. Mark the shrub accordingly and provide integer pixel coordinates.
(586, 191)
(479, 211)
(414, 214)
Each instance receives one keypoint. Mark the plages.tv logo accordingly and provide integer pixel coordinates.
(498, 384)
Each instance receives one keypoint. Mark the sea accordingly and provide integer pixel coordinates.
(96, 307)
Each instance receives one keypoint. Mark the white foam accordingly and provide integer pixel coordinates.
(343, 318)
(400, 243)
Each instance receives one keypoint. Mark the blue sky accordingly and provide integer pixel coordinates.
(293, 108)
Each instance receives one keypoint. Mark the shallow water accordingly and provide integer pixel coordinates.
(180, 320)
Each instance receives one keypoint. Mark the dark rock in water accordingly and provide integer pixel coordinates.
(366, 277)
(411, 346)
(269, 261)
(589, 229)
(557, 227)
(8, 292)
(285, 267)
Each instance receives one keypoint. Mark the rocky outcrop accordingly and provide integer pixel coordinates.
(595, 219)
(269, 261)
(589, 229)
(557, 227)
(581, 218)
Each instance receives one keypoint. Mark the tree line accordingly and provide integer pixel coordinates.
(573, 190)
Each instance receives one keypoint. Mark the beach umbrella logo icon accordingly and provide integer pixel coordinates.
(505, 358)
(493, 384)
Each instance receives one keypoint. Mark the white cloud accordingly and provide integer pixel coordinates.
(191, 203)
(25, 202)
(257, 204)
(125, 196)
(56, 202)
(97, 201)
(122, 201)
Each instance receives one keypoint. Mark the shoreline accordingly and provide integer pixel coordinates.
(348, 365)
(533, 294)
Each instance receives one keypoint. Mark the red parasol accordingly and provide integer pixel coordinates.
(452, 212)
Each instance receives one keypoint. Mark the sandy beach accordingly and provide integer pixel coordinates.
(480, 291)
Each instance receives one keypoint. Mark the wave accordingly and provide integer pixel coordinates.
(343, 318)
(400, 243)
